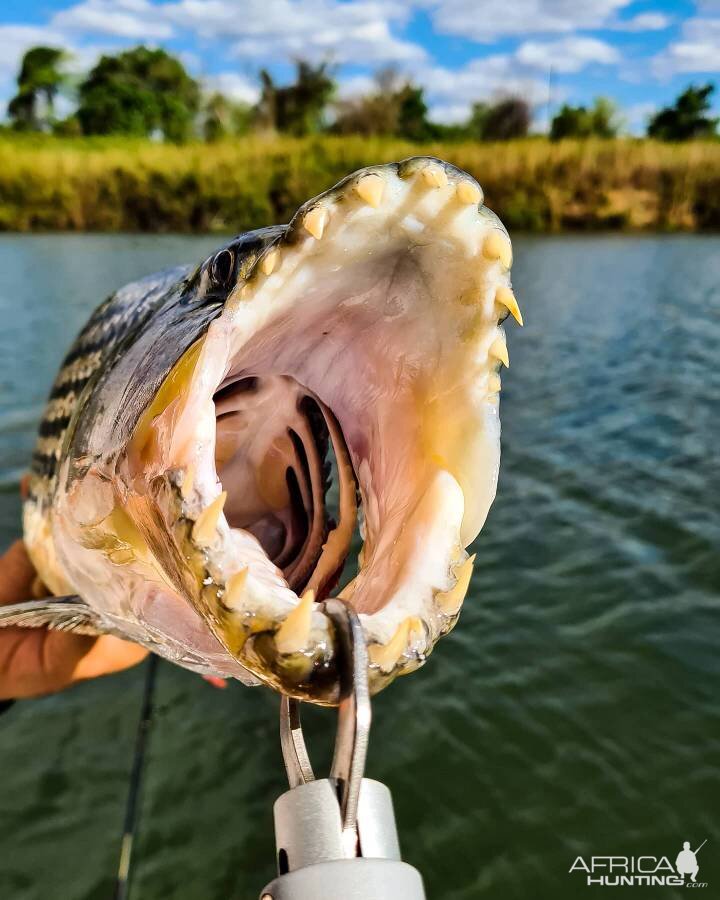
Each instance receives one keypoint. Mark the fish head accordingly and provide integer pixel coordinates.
(360, 345)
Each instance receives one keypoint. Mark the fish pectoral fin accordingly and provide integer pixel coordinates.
(59, 613)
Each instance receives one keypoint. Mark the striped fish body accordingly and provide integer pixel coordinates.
(179, 488)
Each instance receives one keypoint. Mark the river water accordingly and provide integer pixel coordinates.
(573, 711)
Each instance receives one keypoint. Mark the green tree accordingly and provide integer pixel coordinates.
(688, 118)
(140, 92)
(501, 121)
(67, 127)
(412, 120)
(507, 119)
(39, 81)
(297, 108)
(601, 120)
(395, 107)
(376, 112)
(570, 121)
(476, 123)
(222, 117)
(605, 118)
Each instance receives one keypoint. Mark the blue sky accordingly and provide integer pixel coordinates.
(638, 52)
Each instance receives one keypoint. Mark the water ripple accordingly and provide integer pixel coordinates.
(573, 710)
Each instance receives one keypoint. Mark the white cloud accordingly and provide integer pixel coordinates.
(133, 19)
(358, 32)
(369, 44)
(645, 22)
(368, 34)
(449, 113)
(451, 92)
(637, 115)
(357, 86)
(234, 86)
(83, 58)
(568, 54)
(491, 19)
(698, 49)
(192, 61)
(699, 29)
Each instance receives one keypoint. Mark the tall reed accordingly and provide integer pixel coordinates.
(128, 185)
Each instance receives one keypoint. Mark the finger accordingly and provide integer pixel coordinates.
(107, 655)
(16, 574)
(34, 662)
(38, 589)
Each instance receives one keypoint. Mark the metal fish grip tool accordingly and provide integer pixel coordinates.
(336, 837)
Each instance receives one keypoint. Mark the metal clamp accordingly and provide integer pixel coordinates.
(336, 837)
(354, 718)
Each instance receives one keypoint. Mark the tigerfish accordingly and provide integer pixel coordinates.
(179, 492)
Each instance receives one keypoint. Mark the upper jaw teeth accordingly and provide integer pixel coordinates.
(315, 222)
(370, 189)
(498, 350)
(505, 297)
(435, 176)
(497, 246)
(468, 192)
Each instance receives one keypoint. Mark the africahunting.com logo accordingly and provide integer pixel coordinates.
(642, 871)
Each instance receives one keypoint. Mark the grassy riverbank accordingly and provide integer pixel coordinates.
(123, 185)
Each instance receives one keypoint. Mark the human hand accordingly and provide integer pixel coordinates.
(36, 661)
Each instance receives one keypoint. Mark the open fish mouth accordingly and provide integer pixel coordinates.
(364, 339)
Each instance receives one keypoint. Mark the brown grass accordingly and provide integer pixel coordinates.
(118, 185)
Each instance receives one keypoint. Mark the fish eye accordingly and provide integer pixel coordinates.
(222, 267)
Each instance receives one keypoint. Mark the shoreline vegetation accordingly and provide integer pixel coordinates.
(146, 147)
(49, 183)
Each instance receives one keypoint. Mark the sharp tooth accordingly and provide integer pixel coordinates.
(370, 189)
(188, 481)
(435, 176)
(205, 527)
(387, 655)
(498, 349)
(315, 222)
(269, 262)
(294, 633)
(497, 246)
(506, 298)
(451, 601)
(494, 383)
(235, 588)
(245, 291)
(468, 192)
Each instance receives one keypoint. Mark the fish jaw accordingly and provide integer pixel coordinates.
(370, 325)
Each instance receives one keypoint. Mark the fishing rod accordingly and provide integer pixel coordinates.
(335, 836)
(132, 804)
(701, 846)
